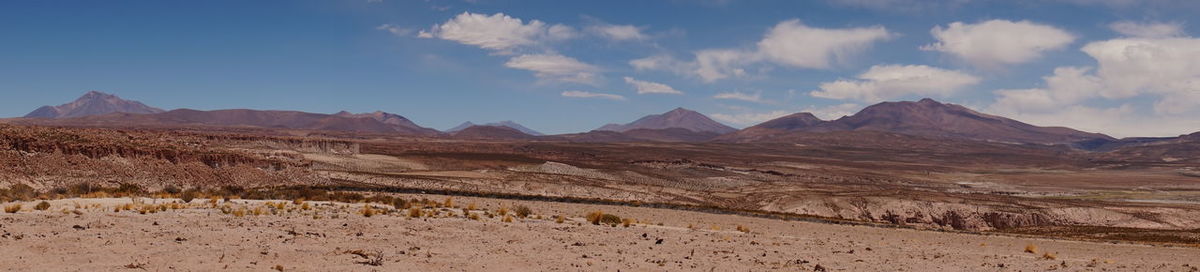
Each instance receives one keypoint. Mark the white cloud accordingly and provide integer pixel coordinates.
(585, 94)
(748, 119)
(618, 32)
(646, 87)
(497, 32)
(995, 43)
(1068, 86)
(834, 111)
(789, 43)
(900, 5)
(555, 67)
(794, 44)
(735, 95)
(1164, 70)
(395, 30)
(883, 82)
(1147, 30)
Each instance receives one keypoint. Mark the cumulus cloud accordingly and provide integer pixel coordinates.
(618, 32)
(748, 119)
(1163, 70)
(498, 32)
(789, 43)
(646, 87)
(555, 67)
(995, 43)
(586, 94)
(736, 95)
(883, 82)
(795, 44)
(1147, 30)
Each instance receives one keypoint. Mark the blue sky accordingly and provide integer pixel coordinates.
(1127, 68)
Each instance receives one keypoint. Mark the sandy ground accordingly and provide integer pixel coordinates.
(334, 237)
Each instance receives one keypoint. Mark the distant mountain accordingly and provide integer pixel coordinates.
(480, 132)
(92, 103)
(390, 119)
(677, 118)
(508, 124)
(248, 118)
(927, 118)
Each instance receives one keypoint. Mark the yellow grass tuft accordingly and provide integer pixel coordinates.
(239, 212)
(471, 206)
(1031, 248)
(449, 203)
(560, 219)
(508, 219)
(627, 222)
(414, 212)
(743, 229)
(1050, 256)
(367, 211)
(12, 208)
(473, 216)
(502, 211)
(42, 206)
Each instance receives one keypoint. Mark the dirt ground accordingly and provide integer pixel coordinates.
(88, 235)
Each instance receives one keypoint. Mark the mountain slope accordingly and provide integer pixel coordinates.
(92, 103)
(926, 118)
(390, 119)
(508, 124)
(240, 118)
(677, 118)
(492, 133)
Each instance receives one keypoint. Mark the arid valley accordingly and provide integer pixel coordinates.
(621, 135)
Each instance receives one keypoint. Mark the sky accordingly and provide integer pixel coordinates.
(1121, 67)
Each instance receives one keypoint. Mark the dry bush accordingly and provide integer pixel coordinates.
(502, 211)
(627, 222)
(473, 216)
(1031, 248)
(449, 203)
(522, 211)
(508, 219)
(42, 206)
(599, 217)
(414, 212)
(471, 206)
(305, 206)
(14, 208)
(560, 219)
(367, 211)
(239, 212)
(743, 229)
(1050, 256)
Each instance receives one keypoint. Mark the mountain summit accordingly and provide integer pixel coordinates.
(677, 118)
(93, 103)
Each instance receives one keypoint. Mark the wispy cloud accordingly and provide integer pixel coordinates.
(586, 94)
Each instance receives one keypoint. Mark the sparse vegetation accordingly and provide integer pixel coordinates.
(744, 229)
(1049, 256)
(522, 211)
(42, 206)
(1031, 248)
(14, 208)
(599, 217)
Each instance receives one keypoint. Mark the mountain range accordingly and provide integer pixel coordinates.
(926, 119)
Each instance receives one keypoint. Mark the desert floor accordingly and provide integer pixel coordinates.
(88, 235)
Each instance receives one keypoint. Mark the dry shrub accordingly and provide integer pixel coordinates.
(560, 219)
(414, 212)
(502, 211)
(367, 211)
(599, 217)
(473, 216)
(239, 212)
(743, 229)
(449, 203)
(471, 206)
(1031, 248)
(508, 219)
(42, 206)
(522, 211)
(14, 208)
(627, 222)
(1050, 256)
(305, 206)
